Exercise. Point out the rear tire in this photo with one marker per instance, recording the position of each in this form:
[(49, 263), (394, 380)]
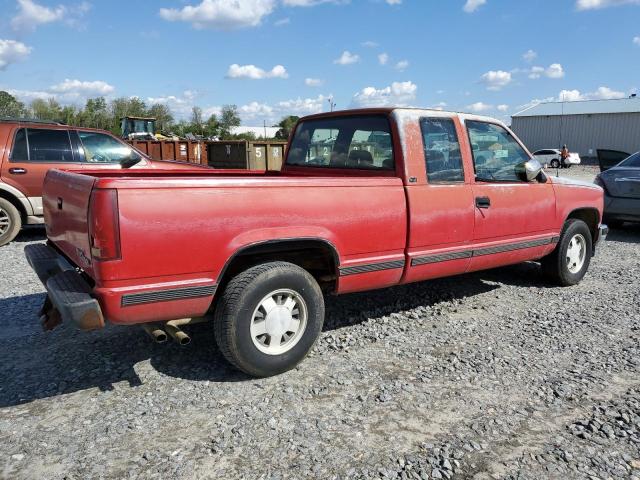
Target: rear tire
[(569, 262), (268, 318), (10, 221)]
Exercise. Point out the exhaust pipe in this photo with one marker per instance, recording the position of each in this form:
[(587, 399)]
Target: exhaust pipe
[(156, 333), (177, 334)]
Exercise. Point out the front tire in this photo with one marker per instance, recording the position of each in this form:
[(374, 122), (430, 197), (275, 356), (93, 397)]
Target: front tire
[(569, 262), (268, 318), (555, 163), (10, 221)]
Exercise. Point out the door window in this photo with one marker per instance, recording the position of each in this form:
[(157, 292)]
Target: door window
[(441, 150), (102, 148), (49, 145), (19, 151), (496, 154)]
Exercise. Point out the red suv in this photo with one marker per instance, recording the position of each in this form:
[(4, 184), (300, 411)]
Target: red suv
[(29, 148)]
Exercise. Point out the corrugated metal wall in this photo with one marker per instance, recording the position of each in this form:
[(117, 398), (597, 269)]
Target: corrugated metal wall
[(583, 134)]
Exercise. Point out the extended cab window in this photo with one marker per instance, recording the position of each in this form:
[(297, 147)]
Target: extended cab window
[(102, 148), (48, 146), (495, 152), (441, 150), (358, 142)]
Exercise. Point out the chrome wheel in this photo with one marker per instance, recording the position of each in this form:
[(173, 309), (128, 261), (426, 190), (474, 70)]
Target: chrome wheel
[(5, 222), (279, 322), (576, 253)]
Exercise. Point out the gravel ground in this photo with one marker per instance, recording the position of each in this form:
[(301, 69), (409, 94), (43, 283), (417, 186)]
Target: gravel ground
[(489, 375)]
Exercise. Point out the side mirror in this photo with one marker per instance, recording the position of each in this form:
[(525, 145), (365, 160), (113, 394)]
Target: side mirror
[(132, 159), (529, 171)]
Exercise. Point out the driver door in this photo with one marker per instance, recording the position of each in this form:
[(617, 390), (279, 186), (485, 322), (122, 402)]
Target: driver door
[(104, 151), (513, 218)]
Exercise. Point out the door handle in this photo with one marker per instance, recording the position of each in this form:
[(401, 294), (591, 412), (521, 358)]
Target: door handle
[(483, 202), (18, 171)]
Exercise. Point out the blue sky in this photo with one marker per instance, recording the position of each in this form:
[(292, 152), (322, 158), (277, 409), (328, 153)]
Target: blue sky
[(278, 57)]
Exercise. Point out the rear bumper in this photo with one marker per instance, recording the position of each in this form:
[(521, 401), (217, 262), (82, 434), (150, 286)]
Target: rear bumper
[(626, 209), (69, 292)]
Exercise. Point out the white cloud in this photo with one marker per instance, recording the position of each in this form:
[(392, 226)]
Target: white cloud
[(602, 93), (221, 14), (402, 65), (636, 40), (479, 107), (383, 59), (397, 94), (30, 15), (529, 56), (282, 22), (472, 5), (310, 3), (181, 105), (313, 82), (255, 111), (12, 52), (554, 70), (394, 2), (495, 80), (502, 107), (369, 44), (597, 4), (439, 106), (97, 87), (347, 58), (255, 73)]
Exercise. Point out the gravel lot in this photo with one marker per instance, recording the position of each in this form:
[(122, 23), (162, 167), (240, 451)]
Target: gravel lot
[(489, 375)]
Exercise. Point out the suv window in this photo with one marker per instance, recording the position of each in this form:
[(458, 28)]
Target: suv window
[(358, 142), (45, 146), (632, 161), (19, 151), (495, 152), (441, 150), (102, 148)]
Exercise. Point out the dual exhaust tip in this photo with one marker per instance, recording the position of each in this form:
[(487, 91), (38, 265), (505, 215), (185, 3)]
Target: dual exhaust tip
[(161, 335)]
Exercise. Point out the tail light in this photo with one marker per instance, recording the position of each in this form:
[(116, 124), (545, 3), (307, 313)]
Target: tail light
[(104, 227)]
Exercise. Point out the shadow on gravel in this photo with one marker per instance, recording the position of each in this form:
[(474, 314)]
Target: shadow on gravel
[(40, 364), (628, 233)]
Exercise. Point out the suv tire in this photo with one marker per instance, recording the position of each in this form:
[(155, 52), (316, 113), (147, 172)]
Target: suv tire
[(268, 318), (10, 221), (569, 262)]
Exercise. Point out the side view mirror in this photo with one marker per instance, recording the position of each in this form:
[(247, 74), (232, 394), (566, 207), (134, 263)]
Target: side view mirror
[(529, 170), (132, 159)]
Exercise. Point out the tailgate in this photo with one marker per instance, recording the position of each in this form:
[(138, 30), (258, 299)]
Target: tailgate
[(65, 201)]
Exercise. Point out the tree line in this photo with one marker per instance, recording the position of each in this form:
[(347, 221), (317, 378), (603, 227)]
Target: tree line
[(106, 115)]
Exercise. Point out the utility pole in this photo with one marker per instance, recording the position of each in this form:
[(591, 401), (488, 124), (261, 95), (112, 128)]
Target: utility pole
[(332, 104), (264, 124)]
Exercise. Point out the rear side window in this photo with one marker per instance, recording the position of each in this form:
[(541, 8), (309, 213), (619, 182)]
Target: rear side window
[(360, 142), (632, 161), (49, 146), (441, 150), (19, 151)]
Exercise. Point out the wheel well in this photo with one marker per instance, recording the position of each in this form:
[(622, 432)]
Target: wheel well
[(318, 257), (590, 216), (16, 203)]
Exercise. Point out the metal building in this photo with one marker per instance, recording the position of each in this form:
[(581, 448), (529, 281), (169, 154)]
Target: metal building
[(584, 126)]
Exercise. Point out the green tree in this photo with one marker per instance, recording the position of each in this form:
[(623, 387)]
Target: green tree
[(125, 107), (229, 118), (286, 127), (212, 126), (10, 106), (46, 110), (162, 114)]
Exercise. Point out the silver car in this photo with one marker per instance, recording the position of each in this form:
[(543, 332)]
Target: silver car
[(621, 186)]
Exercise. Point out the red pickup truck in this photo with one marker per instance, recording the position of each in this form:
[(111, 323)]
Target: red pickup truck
[(366, 199)]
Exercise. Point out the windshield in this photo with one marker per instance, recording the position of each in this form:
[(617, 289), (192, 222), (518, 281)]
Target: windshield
[(632, 161), (358, 142)]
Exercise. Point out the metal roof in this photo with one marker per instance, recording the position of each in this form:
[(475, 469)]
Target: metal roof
[(586, 107)]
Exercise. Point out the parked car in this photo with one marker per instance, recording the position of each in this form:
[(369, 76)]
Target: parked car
[(253, 253), (552, 157), (28, 149), (621, 186), (609, 158)]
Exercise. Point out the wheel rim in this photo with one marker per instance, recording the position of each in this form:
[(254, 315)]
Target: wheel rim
[(576, 253), (5, 222), (278, 322)]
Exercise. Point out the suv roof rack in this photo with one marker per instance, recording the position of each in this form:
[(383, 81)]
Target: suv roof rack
[(30, 120)]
